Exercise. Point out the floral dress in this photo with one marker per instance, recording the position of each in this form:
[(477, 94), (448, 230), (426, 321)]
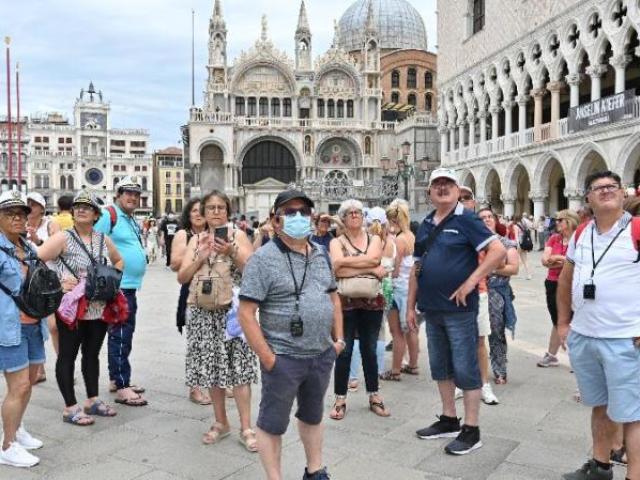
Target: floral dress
[(213, 360)]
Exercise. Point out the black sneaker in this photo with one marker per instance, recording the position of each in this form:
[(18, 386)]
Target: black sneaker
[(619, 457), (590, 471), (321, 474), (466, 442), (445, 427)]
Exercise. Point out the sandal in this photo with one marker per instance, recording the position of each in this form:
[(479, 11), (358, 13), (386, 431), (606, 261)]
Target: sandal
[(42, 377), (500, 380), (135, 388), (248, 439), (338, 412), (78, 418), (100, 409), (216, 433), (199, 397), (409, 370), (353, 386), (378, 408), (136, 401), (390, 375)]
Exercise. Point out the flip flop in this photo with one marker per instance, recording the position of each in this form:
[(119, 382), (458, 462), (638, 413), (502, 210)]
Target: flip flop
[(76, 418), (132, 402), (100, 409), (135, 388)]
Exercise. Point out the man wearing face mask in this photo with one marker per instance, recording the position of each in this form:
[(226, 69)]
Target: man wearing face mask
[(299, 335)]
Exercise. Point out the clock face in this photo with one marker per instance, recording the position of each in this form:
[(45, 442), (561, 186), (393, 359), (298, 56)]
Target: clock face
[(93, 121), (94, 176)]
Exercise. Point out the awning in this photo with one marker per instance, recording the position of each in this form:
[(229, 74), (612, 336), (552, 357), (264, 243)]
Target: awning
[(398, 107)]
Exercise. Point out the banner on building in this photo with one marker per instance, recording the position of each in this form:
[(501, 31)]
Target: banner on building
[(600, 112)]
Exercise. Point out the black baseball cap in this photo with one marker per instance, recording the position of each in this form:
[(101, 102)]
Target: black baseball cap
[(287, 195)]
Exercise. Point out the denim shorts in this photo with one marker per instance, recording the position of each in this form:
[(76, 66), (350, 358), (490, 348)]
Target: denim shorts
[(452, 339), (292, 378), (607, 370), (30, 351)]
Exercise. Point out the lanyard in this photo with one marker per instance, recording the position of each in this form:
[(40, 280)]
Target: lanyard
[(298, 291), (593, 254)]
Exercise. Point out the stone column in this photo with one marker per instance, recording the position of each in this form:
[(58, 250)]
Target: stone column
[(538, 95), (522, 116), (574, 80), (507, 106), (452, 136), (482, 115), (509, 206), (472, 128), (596, 72), (461, 122), (246, 107), (576, 199), (495, 111), (539, 202), (620, 64), (444, 141), (555, 88)]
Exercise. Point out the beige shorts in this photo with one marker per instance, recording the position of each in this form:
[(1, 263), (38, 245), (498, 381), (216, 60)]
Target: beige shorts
[(484, 327)]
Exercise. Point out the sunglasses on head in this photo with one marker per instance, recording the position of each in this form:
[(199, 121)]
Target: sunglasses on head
[(304, 211)]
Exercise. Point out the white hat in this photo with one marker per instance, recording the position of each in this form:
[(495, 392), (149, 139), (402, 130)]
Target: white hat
[(376, 214), (129, 184), (467, 189), (443, 173), (36, 197), (13, 198)]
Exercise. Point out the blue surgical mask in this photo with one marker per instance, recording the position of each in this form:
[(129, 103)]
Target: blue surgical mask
[(297, 226)]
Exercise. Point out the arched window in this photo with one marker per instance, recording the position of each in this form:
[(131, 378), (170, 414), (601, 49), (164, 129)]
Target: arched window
[(428, 80), (268, 159), (70, 182), (331, 107), (240, 106), (428, 102), (63, 182), (478, 15), (286, 107), (145, 183), (395, 97), (412, 78), (367, 145), (251, 107), (320, 108), (349, 108), (395, 79), (275, 107), (411, 99), (340, 109), (264, 107)]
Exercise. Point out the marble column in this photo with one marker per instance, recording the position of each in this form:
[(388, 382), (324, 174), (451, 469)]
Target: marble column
[(495, 111), (538, 94), (472, 129), (620, 63), (555, 88), (596, 72), (461, 122), (509, 206), (574, 80), (507, 106), (444, 141), (452, 136), (522, 117), (539, 204), (482, 115)]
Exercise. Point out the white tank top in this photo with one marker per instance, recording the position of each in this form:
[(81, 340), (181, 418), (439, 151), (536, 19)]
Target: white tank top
[(389, 263)]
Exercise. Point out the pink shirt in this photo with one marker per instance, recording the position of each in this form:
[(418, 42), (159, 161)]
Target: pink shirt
[(557, 248)]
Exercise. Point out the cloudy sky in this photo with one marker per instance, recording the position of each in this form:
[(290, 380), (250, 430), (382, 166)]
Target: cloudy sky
[(138, 52)]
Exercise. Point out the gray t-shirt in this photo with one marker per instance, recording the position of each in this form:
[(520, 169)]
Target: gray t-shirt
[(266, 280)]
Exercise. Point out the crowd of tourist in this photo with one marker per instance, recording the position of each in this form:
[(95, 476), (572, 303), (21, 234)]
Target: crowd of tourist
[(306, 295)]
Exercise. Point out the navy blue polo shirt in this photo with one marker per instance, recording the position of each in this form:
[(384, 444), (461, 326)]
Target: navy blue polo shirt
[(453, 257)]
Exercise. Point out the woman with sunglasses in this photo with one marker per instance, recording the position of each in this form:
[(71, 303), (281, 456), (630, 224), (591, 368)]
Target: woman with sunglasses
[(501, 311), (192, 223), (21, 341), (553, 258), (322, 235), (71, 250), (214, 360), (356, 253)]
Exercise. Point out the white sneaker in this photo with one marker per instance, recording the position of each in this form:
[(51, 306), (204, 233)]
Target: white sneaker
[(548, 361), (459, 394), (25, 439), (17, 456), (488, 396)]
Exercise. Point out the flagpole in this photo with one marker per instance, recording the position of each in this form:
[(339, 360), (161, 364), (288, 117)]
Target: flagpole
[(7, 41), (19, 126), (193, 74)]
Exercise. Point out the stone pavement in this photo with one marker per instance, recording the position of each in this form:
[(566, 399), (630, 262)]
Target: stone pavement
[(537, 432)]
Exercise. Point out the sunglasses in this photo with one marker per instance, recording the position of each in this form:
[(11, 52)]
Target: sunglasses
[(290, 212)]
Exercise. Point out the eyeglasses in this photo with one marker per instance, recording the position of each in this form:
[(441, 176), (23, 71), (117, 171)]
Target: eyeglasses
[(609, 188), (15, 214), (325, 220), (290, 212), (215, 208), (353, 213), (82, 206)]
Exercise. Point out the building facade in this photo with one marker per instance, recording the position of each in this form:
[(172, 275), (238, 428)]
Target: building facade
[(62, 156), (535, 96), (168, 181), (269, 121)]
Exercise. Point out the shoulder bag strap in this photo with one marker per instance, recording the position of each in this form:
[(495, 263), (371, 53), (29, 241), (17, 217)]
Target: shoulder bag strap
[(79, 241), (434, 234)]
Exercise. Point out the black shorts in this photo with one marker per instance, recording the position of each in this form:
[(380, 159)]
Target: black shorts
[(551, 289), (303, 379)]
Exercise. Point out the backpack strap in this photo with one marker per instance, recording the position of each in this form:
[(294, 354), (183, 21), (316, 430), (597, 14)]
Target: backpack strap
[(113, 216), (580, 230), (76, 238), (635, 233)]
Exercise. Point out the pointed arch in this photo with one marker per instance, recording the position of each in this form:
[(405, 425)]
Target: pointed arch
[(512, 176), (590, 157), (628, 161)]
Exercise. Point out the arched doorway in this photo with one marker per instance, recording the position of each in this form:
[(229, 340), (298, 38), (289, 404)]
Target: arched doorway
[(211, 168), (268, 159), (592, 162), (494, 192), (557, 184), (468, 180), (523, 187)]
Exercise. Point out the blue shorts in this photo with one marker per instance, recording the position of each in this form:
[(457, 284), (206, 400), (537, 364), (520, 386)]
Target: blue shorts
[(30, 351), (452, 339), (608, 373)]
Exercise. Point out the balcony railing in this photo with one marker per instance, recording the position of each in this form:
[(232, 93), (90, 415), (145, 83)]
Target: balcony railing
[(531, 136)]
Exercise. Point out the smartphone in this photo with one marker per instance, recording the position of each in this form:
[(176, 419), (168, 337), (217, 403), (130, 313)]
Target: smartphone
[(221, 232)]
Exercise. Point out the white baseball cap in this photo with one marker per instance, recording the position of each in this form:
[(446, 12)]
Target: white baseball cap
[(36, 197), (376, 214), (443, 173)]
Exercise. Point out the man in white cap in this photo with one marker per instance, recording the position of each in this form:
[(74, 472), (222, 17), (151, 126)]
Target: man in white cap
[(444, 285), (118, 222)]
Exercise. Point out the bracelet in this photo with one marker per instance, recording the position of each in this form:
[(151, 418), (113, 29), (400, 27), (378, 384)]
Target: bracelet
[(342, 342)]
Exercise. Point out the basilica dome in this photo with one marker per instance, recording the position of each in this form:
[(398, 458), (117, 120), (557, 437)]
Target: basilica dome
[(399, 25)]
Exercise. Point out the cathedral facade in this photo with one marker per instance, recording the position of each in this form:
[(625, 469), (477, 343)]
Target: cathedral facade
[(269, 121)]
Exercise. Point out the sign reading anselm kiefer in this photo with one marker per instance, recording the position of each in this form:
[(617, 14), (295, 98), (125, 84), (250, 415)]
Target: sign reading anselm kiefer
[(599, 112)]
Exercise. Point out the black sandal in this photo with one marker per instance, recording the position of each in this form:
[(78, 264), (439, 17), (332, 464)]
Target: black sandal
[(392, 376)]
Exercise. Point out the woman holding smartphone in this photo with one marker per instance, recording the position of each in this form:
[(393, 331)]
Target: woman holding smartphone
[(215, 359)]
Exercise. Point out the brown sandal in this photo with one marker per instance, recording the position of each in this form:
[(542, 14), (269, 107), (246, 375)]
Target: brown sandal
[(392, 376), (378, 408), (216, 433), (338, 412), (409, 370)]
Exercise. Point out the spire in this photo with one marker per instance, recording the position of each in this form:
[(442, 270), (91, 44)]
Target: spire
[(303, 22), (217, 9), (371, 29), (217, 23), (265, 29), (336, 34)]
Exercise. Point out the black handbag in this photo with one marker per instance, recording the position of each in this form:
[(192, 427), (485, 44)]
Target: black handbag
[(103, 281)]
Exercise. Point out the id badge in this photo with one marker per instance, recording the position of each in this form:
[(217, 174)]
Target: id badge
[(296, 327), (589, 291)]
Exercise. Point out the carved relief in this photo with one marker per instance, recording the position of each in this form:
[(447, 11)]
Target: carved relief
[(263, 79), (336, 82)]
